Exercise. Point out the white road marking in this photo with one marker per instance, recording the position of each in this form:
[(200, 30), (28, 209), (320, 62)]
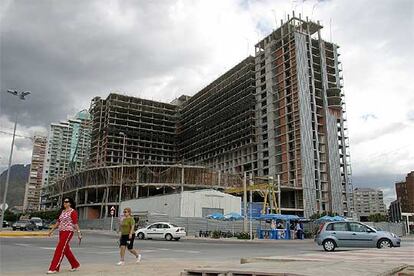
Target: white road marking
[(186, 251), (23, 244)]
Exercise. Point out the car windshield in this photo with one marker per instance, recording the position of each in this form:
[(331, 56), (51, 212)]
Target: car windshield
[(173, 225)]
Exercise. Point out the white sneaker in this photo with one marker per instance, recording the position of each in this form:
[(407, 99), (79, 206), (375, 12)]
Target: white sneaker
[(138, 258), (51, 272), (74, 269), (120, 263)]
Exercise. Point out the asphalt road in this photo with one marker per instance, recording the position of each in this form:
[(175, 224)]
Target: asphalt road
[(28, 254), (23, 254)]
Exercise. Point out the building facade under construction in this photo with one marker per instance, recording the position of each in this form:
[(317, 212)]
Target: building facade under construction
[(301, 119), (216, 127), (144, 130), (277, 116)]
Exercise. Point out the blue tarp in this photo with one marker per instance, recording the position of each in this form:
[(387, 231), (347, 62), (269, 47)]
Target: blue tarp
[(329, 218), (215, 216), (278, 216), (233, 216)]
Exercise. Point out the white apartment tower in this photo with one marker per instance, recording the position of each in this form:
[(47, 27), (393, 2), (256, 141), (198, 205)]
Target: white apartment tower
[(34, 183), (67, 151)]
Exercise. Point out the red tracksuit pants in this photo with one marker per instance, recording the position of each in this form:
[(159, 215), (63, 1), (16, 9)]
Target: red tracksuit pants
[(63, 249)]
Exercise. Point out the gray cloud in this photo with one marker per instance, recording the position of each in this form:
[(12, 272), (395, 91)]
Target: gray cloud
[(67, 52), (387, 129)]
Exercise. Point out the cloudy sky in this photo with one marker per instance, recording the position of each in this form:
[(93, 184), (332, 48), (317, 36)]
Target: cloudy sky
[(66, 52)]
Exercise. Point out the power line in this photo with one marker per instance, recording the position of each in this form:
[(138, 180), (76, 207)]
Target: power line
[(9, 133)]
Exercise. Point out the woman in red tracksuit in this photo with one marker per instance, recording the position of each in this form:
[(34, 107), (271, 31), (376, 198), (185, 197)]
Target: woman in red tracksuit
[(67, 223)]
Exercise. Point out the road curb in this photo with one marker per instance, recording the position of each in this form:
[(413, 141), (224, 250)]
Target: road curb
[(395, 270), (274, 260), (23, 234)]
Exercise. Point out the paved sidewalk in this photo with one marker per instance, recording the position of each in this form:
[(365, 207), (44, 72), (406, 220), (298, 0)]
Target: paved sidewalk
[(172, 267), (5, 234)]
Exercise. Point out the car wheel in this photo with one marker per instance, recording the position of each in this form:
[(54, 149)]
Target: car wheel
[(168, 237), (177, 239), (329, 245), (141, 236), (384, 243), (14, 229)]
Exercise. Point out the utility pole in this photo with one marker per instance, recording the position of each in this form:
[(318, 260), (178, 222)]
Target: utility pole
[(21, 96), (278, 194), (122, 173), (245, 202), (251, 205)]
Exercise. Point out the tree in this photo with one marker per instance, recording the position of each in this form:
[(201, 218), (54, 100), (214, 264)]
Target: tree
[(377, 217), (46, 215), (10, 216)]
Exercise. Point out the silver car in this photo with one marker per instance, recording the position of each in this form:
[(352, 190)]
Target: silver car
[(353, 234)]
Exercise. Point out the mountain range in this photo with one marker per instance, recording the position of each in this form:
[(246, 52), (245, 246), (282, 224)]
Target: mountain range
[(18, 178)]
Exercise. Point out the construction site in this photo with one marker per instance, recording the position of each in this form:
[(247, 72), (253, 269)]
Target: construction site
[(96, 190), (274, 125)]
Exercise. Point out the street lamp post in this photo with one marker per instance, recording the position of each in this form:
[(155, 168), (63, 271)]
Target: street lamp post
[(21, 96), (122, 173)]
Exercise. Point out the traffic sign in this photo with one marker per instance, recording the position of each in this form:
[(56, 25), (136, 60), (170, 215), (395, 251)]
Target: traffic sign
[(4, 205)]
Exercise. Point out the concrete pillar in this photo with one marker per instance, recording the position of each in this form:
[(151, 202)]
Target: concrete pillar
[(86, 196), (106, 201), (182, 178)]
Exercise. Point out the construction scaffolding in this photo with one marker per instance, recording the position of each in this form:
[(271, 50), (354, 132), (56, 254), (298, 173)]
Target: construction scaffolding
[(96, 190)]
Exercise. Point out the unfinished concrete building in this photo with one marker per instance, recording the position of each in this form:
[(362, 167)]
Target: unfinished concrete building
[(96, 190), (301, 118), (216, 127), (148, 128), (280, 114)]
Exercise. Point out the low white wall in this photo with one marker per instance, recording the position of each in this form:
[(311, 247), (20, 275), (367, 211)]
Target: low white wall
[(165, 204), (193, 202), (186, 204)]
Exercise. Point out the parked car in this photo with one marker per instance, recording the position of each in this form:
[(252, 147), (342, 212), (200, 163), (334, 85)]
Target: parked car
[(5, 224), (48, 224), (161, 230), (38, 221), (24, 225), (353, 234)]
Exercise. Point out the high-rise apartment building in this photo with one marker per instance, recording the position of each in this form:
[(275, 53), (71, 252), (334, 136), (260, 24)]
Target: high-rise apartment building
[(405, 193), (148, 127), (301, 118), (34, 183), (368, 202), (67, 151)]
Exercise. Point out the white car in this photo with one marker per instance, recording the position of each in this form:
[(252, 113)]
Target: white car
[(161, 230)]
